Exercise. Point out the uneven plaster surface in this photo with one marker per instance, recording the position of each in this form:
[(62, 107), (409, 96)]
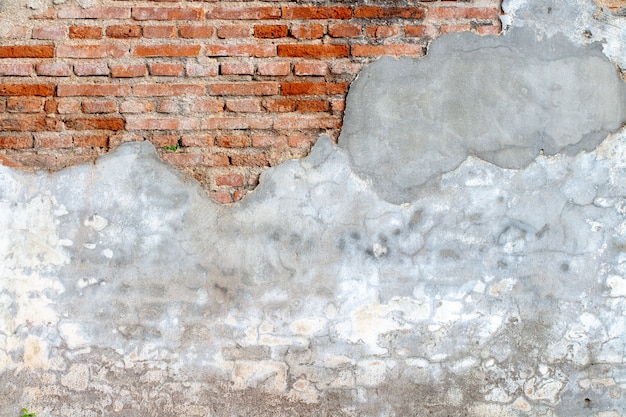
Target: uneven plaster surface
[(492, 292)]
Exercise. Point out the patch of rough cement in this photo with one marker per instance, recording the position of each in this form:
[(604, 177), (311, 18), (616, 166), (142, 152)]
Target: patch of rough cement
[(515, 97)]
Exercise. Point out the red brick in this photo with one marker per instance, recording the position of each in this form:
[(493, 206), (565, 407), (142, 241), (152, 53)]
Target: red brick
[(26, 89), (447, 13), (94, 13), (244, 13), (237, 122), (27, 51), (91, 51), (84, 123), (166, 50), (233, 32), (167, 13), (16, 70), (163, 139), (196, 140), (51, 106), (91, 141), (249, 50), (229, 180), (159, 32), (343, 67), (313, 51), (280, 105), (420, 31), (244, 89), (3, 105), (393, 50), (307, 122), (165, 90), (69, 90), (29, 123), (86, 69), (136, 106), (232, 141), (53, 69), (375, 12), (24, 104), (312, 106), (269, 141), (215, 160), (68, 106), (312, 12), (313, 88), (310, 68), (85, 32), (271, 31), (182, 159), (455, 28), (18, 141), (301, 141), (251, 160), (161, 123), (236, 68), (274, 68), (129, 71), (308, 32), (196, 31), (54, 140), (220, 197), (338, 105), (239, 194), (100, 106), (244, 105), (49, 32), (207, 106), (123, 31), (382, 31), (344, 30), (199, 70), (167, 70)]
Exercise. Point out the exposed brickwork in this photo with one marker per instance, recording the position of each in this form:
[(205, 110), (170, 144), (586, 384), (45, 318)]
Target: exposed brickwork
[(233, 87)]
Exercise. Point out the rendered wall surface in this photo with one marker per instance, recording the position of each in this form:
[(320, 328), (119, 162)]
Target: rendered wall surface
[(489, 291)]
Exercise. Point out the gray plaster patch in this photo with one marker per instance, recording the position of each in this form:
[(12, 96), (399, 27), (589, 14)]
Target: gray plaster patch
[(503, 99)]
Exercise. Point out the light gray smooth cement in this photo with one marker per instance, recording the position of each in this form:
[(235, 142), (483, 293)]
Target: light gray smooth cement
[(502, 99)]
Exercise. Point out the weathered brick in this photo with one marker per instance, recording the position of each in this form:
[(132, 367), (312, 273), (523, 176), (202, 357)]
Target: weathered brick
[(91, 141), (449, 13), (249, 50), (307, 31), (220, 197), (232, 141), (54, 140), (94, 13), (85, 32), (123, 31), (207, 106), (166, 50), (449, 28), (84, 123), (53, 69), (345, 67), (165, 90), (27, 51), (136, 106), (196, 140), (237, 68), (69, 90), (26, 89), (237, 122), (99, 106), (271, 31), (393, 50), (167, 69), (274, 68), (489, 29), (279, 105), (269, 141), (229, 180), (382, 31), (29, 123), (313, 88), (86, 69), (244, 105), (244, 13), (244, 89), (342, 30), (313, 51), (167, 13), (310, 68), (183, 159), (24, 104), (200, 70), (161, 123), (231, 31), (376, 12), (420, 31), (129, 71), (172, 106), (91, 51), (196, 31), (68, 106), (159, 31), (163, 139), (17, 141), (306, 122), (319, 12), (49, 32), (16, 70), (251, 160)]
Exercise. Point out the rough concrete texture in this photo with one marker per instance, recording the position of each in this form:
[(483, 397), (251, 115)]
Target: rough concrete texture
[(493, 292)]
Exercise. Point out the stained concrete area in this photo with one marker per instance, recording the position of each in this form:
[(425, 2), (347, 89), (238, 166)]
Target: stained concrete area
[(492, 291)]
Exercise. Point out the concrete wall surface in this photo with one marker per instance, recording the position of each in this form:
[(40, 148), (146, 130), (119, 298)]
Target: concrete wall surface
[(492, 284)]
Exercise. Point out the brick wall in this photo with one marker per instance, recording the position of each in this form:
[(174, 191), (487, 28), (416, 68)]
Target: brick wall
[(223, 89)]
